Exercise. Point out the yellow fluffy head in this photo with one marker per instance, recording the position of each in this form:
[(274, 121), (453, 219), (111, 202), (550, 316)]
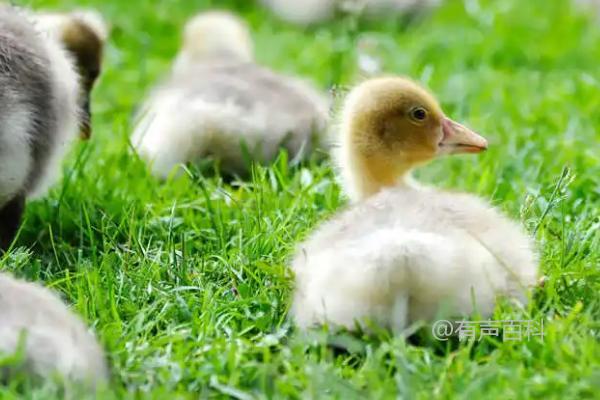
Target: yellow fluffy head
[(217, 34), (389, 126), (386, 116)]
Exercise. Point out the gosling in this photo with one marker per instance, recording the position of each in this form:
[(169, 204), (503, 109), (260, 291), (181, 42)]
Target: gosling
[(47, 73), (49, 340), (403, 253), (219, 104)]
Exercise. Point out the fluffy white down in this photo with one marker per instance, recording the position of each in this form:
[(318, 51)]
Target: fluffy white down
[(65, 82), (15, 162), (55, 340), (410, 254)]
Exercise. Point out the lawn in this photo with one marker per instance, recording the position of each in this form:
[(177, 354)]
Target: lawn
[(186, 282)]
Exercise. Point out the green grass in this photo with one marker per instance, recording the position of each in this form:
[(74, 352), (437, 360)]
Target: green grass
[(186, 282)]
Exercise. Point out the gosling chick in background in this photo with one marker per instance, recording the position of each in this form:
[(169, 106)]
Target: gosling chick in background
[(51, 339), (589, 6), (309, 12), (403, 253), (47, 73), (218, 103)]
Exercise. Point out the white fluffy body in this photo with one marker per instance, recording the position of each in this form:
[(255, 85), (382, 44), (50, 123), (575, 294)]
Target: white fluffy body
[(216, 102), (175, 131), (411, 254), (54, 340), (314, 11), (302, 12)]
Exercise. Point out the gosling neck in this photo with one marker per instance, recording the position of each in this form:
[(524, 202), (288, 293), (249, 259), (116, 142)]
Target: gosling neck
[(368, 175)]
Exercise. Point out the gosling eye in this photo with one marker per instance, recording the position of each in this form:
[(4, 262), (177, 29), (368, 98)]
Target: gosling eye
[(418, 114)]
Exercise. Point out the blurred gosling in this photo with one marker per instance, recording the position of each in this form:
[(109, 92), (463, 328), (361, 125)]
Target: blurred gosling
[(310, 12), (219, 103), (52, 341), (589, 6)]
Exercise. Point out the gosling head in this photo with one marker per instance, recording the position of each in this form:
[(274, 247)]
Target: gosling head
[(390, 126), (215, 35), (83, 34)]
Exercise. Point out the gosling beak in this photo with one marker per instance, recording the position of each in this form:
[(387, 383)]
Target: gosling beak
[(460, 139), (85, 130)]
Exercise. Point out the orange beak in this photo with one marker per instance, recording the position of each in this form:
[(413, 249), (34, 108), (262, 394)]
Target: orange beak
[(460, 139)]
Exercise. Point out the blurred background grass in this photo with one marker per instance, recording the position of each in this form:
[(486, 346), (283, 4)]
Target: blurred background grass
[(185, 282)]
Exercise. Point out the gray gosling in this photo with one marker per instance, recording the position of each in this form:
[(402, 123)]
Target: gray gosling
[(51, 341), (47, 71), (219, 103)]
